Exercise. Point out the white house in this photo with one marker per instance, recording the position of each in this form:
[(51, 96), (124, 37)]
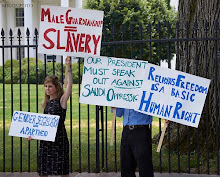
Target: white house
[(25, 14)]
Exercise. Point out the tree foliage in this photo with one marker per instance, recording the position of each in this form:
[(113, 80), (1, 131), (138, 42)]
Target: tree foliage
[(134, 20), (199, 19)]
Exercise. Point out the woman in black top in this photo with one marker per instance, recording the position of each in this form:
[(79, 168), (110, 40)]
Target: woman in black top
[(53, 157)]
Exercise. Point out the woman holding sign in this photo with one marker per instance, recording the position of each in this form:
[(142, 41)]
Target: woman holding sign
[(53, 157)]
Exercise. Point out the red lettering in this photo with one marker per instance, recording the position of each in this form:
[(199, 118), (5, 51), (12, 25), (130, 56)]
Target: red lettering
[(81, 49), (61, 19), (57, 20), (44, 14), (96, 41), (80, 19), (88, 39), (48, 39), (69, 43), (75, 21), (53, 19), (68, 20), (58, 41), (76, 41)]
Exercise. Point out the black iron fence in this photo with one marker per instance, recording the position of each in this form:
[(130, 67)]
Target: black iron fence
[(89, 126)]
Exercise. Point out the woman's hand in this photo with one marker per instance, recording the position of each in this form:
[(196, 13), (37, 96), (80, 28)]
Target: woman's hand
[(68, 60), (29, 138), (68, 84)]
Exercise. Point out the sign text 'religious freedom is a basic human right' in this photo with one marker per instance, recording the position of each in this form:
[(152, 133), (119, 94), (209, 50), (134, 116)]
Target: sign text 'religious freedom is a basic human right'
[(173, 95)]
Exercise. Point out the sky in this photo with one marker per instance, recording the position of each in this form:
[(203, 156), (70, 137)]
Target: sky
[(174, 3), (173, 61)]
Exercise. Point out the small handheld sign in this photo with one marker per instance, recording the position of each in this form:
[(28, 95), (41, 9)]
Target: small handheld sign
[(38, 126)]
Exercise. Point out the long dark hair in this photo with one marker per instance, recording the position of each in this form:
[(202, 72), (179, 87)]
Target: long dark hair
[(55, 81)]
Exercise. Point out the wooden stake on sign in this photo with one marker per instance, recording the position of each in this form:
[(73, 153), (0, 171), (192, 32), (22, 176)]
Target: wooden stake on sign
[(162, 136), (113, 126), (66, 72)]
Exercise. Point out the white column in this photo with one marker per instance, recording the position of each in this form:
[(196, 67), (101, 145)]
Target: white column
[(64, 3), (78, 4), (28, 23), (2, 25), (1, 16)]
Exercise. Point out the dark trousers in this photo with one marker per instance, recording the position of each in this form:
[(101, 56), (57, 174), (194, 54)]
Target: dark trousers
[(136, 151)]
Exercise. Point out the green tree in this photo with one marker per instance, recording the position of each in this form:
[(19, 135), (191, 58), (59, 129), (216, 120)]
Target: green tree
[(202, 62), (126, 16)]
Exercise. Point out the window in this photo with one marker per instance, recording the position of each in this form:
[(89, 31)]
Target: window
[(21, 53), (50, 58), (19, 17)]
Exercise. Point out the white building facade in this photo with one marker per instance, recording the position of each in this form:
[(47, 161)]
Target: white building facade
[(23, 14)]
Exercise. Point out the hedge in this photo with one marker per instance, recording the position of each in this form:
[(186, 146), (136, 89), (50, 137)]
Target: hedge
[(57, 69)]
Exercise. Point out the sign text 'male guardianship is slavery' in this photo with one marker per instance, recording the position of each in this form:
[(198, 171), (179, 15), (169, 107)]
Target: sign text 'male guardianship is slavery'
[(70, 31)]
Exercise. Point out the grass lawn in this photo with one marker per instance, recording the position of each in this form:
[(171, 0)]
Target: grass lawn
[(18, 152)]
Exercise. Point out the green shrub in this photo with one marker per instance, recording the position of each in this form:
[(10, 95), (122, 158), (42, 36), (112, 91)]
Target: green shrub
[(75, 72), (1, 74), (50, 70)]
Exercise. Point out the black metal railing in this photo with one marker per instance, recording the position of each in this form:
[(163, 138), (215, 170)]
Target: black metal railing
[(124, 42)]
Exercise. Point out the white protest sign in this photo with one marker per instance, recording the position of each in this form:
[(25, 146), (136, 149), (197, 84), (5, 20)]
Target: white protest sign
[(112, 81), (70, 31), (38, 126), (173, 95)]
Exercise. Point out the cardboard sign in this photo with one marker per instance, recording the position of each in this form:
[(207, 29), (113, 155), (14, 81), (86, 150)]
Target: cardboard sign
[(38, 126), (173, 95), (70, 31), (147, 88), (112, 81)]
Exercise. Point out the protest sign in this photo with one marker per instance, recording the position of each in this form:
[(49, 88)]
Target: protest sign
[(173, 95), (70, 31), (38, 126), (112, 81), (147, 88)]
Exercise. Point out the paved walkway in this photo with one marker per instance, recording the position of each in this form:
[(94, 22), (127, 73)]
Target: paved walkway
[(25, 174)]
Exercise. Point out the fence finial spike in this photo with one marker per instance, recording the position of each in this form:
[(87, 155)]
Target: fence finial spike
[(36, 32), (195, 25), (10, 32), (206, 24), (140, 26), (2, 32), (216, 25), (177, 25), (27, 32), (19, 32), (168, 26)]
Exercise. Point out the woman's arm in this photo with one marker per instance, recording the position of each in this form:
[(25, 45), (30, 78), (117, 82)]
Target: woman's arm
[(68, 91)]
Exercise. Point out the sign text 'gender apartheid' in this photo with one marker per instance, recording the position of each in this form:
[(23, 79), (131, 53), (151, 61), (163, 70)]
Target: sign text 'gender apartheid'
[(38, 126)]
